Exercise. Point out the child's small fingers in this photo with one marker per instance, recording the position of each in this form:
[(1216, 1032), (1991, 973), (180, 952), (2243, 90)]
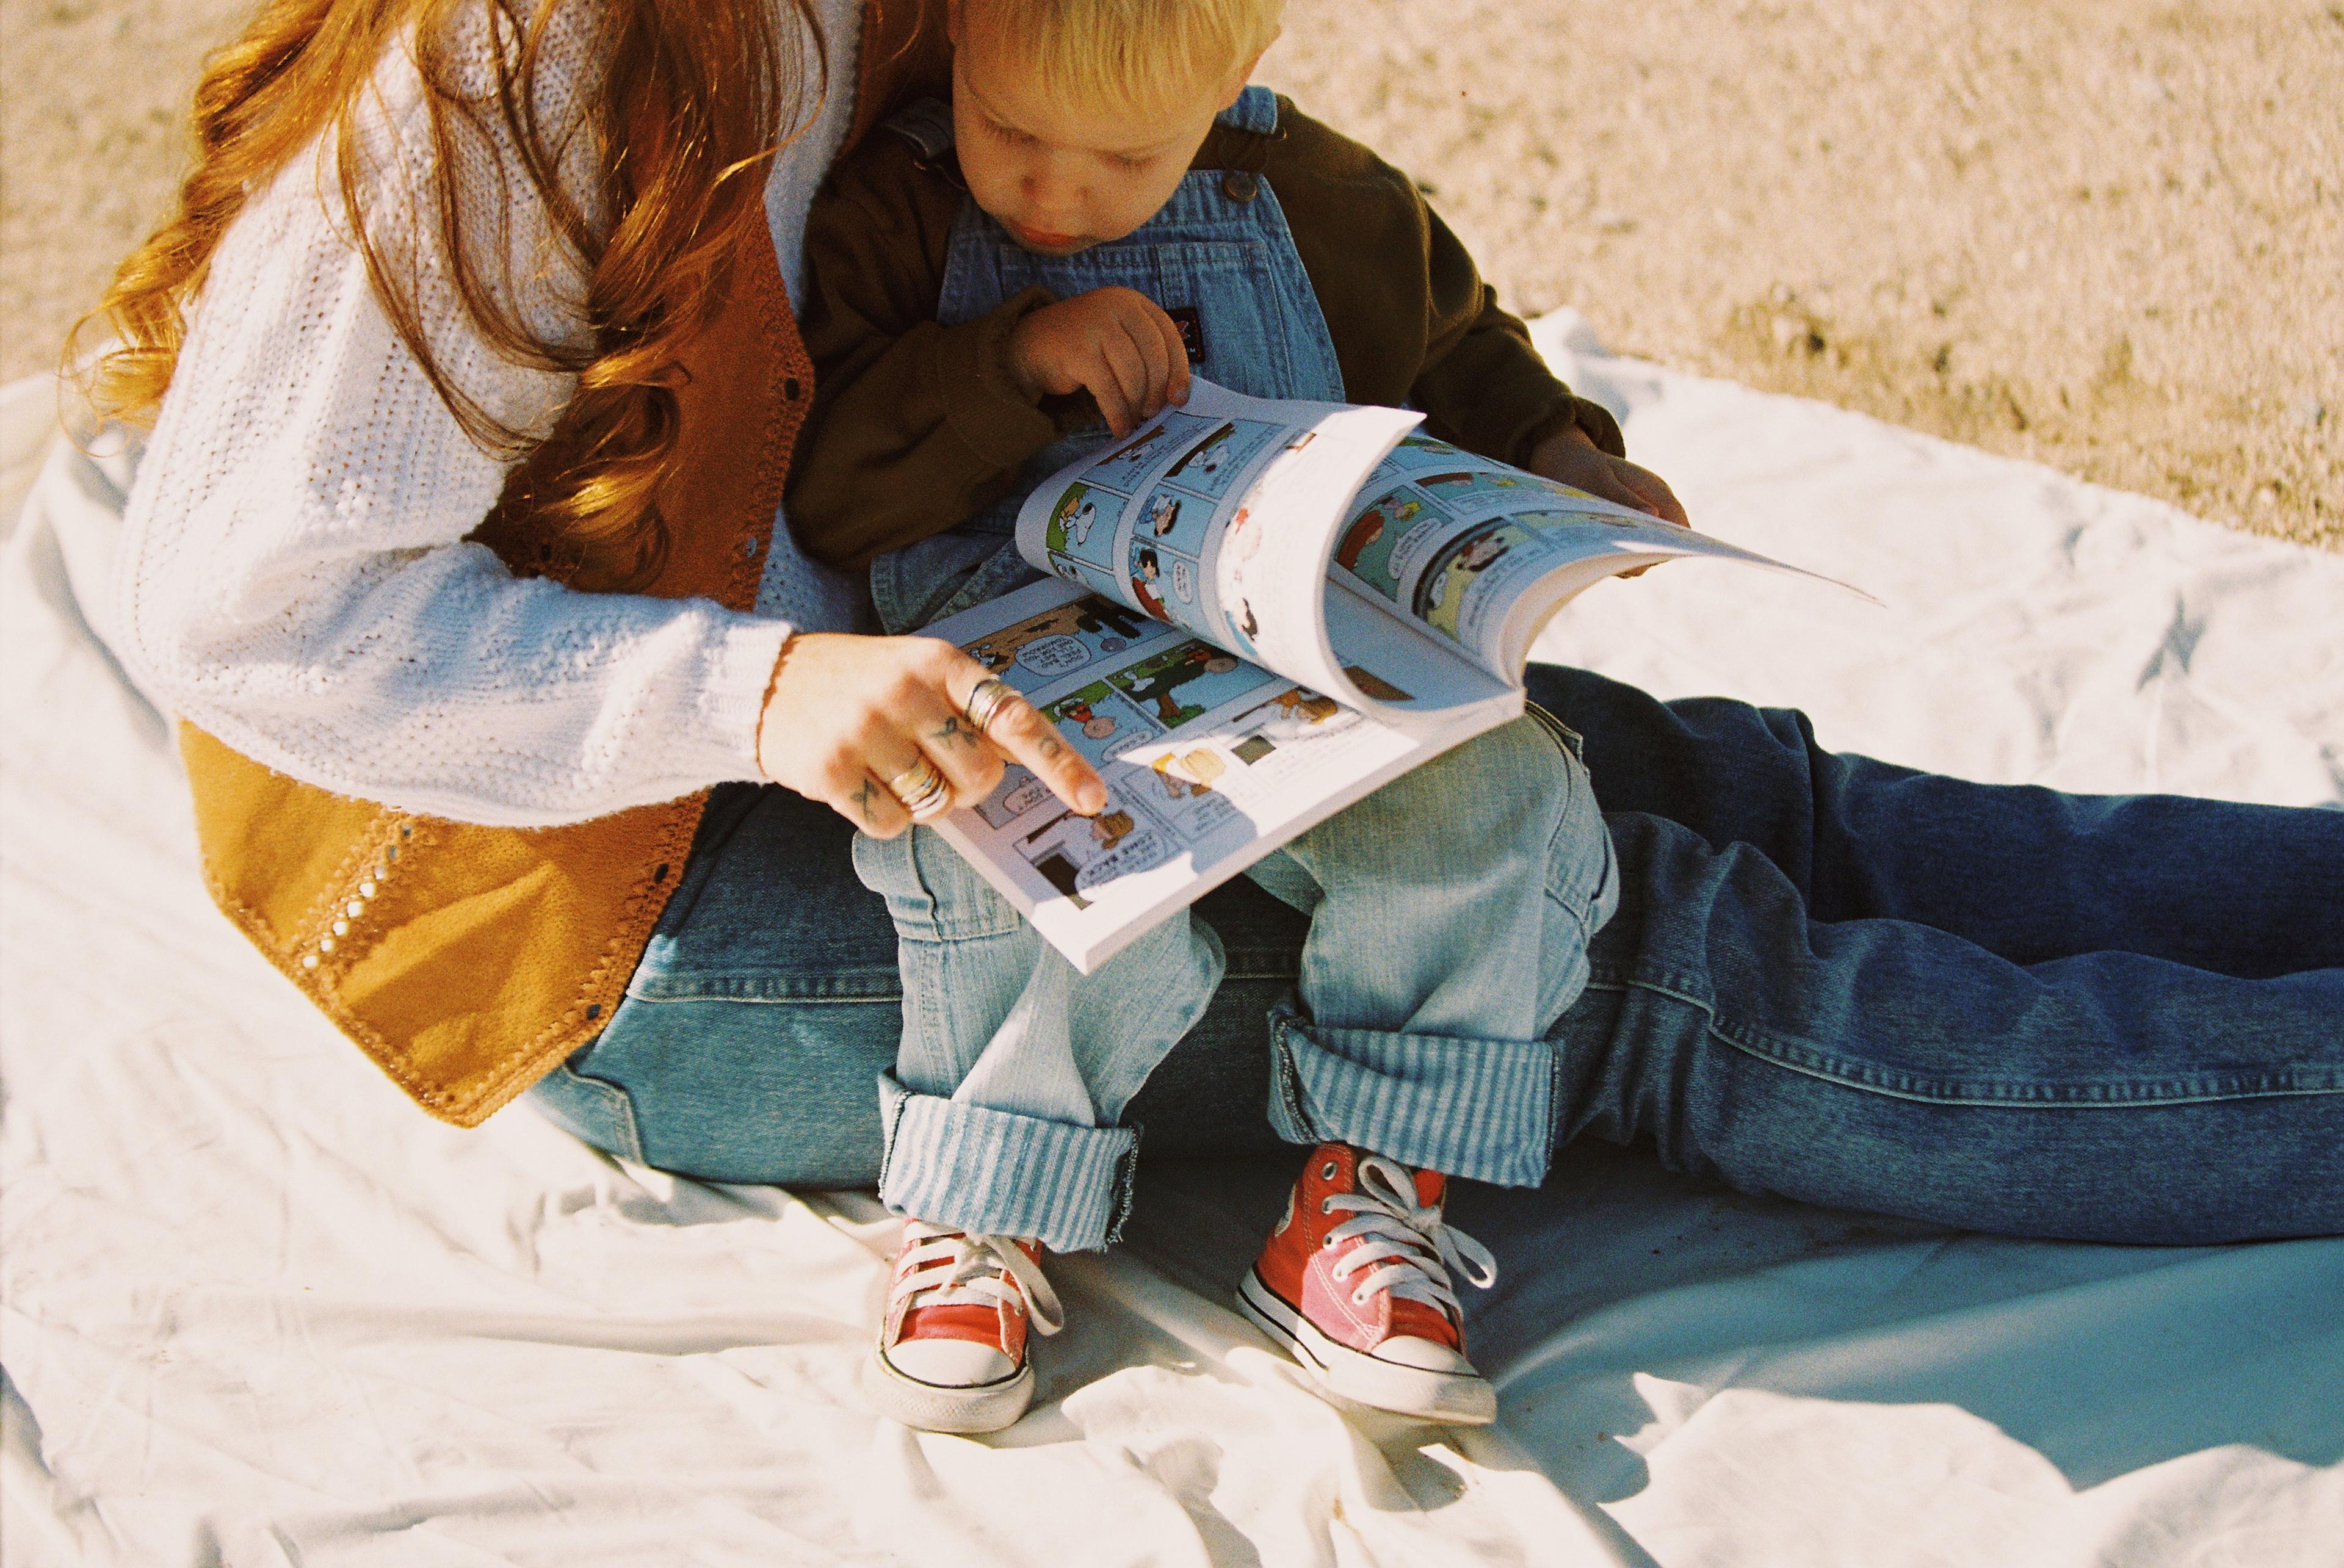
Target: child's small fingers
[(1106, 389), (1653, 494), (1612, 487), (1129, 367), (1155, 366), (1176, 350)]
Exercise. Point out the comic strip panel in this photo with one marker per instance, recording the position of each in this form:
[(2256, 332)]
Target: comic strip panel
[(1463, 487), (1181, 787), (1202, 781), (1418, 452), (1127, 464), (1082, 525), (1369, 548), (1448, 598), (1048, 647), (1075, 853), (1164, 584), (1175, 520), (1185, 682), (1017, 794), (1293, 715), (1099, 579), (1211, 465), (1101, 721)]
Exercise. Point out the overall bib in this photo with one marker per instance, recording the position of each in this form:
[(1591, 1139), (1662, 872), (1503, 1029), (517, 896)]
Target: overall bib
[(1452, 909)]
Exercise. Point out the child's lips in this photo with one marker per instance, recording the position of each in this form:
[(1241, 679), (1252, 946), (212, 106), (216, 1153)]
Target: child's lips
[(1042, 238)]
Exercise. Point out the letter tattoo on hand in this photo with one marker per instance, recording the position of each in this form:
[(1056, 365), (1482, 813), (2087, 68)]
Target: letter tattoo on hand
[(954, 734), (866, 795), (1051, 745)]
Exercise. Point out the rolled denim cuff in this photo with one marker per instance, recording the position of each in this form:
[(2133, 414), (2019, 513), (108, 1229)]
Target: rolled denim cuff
[(1482, 1110), (997, 1173)]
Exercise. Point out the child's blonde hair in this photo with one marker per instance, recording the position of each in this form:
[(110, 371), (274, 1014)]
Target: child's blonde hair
[(1131, 54)]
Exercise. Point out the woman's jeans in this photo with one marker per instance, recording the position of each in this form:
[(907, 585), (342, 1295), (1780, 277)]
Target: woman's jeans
[(2107, 1017), (1450, 915)]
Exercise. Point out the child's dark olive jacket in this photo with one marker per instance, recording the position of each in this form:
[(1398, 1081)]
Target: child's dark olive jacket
[(915, 427)]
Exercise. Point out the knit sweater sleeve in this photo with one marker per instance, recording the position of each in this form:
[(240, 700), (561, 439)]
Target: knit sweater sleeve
[(295, 576)]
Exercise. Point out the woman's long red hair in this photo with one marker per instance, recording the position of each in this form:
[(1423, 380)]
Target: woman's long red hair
[(690, 107)]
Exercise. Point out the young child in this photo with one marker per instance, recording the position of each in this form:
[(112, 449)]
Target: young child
[(1101, 170)]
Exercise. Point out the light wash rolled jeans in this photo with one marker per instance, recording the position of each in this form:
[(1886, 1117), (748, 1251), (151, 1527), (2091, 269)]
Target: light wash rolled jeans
[(2109, 1018), (1449, 916)]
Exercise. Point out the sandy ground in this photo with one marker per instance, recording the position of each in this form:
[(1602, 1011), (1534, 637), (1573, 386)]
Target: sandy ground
[(2107, 234)]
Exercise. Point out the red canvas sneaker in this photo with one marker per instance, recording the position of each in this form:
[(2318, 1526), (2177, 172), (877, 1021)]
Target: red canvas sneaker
[(951, 1355), (1355, 1283)]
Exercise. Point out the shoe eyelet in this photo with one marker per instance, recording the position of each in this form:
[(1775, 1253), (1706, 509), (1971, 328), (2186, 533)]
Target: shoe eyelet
[(1326, 1243), (1327, 1171), (1358, 1298), (1326, 1206)]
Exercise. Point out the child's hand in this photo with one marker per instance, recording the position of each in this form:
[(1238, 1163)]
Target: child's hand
[(1572, 457), (1115, 343)]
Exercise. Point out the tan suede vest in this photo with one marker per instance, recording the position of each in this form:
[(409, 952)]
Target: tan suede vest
[(467, 961)]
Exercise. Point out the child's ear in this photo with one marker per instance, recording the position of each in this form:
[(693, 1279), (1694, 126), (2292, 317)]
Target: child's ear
[(1238, 82)]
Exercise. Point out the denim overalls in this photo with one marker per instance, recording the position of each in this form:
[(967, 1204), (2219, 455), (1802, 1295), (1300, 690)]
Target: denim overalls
[(1219, 256), (1452, 909)]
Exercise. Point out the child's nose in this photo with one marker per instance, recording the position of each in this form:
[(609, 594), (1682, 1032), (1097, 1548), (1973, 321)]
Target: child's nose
[(1054, 193)]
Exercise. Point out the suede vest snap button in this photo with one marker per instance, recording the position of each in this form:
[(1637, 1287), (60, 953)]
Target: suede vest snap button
[(1239, 186)]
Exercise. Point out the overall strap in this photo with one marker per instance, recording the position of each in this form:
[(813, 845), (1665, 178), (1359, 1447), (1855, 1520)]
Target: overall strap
[(1256, 111), (927, 125), (1243, 134)]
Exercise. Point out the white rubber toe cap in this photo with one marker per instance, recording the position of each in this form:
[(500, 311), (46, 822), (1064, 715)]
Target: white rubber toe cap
[(950, 1363), (1426, 1355)]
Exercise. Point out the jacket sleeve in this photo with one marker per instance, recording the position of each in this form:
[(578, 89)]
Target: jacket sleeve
[(1412, 317), (914, 426), (1482, 385), (295, 574)]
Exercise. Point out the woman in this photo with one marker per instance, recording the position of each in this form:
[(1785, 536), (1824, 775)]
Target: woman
[(455, 546)]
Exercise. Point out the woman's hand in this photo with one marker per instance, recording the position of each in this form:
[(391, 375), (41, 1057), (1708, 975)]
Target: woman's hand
[(1572, 457), (1117, 344), (847, 713)]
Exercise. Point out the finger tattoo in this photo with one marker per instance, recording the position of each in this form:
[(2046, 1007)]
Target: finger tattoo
[(866, 797), (954, 734)]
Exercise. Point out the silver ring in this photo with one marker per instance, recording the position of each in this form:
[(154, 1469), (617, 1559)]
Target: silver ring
[(985, 702), (921, 790)]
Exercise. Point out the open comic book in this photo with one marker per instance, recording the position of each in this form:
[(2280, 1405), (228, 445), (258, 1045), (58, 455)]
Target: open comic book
[(1259, 612)]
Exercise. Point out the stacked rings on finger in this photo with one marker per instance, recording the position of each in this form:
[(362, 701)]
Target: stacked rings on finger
[(921, 790), (985, 702)]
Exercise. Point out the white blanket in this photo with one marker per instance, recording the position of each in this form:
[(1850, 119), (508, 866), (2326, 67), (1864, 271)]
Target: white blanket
[(258, 1311)]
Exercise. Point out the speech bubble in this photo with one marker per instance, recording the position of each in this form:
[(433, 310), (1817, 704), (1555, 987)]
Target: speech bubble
[(1142, 851), (1054, 656), (1024, 795)]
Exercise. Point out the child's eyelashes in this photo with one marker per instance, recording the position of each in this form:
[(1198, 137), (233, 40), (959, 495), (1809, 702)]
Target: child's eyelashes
[(1008, 136)]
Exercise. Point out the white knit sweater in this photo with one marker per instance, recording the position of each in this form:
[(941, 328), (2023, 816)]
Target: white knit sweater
[(295, 578)]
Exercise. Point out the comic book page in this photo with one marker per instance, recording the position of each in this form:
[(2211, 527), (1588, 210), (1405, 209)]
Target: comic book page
[(1211, 762), (1218, 517), (1480, 554)]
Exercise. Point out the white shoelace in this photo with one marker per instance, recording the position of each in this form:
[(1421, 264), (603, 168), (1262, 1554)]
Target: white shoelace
[(949, 1267), (1409, 1252)]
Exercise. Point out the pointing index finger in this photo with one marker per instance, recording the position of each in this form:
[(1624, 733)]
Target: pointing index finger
[(1028, 737), (1023, 736)]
